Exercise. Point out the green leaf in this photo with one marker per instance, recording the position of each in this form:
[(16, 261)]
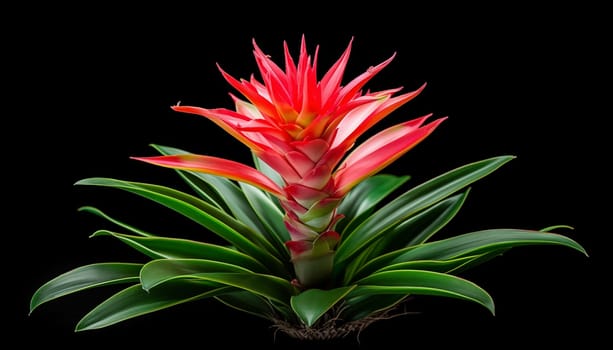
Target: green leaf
[(250, 303), (352, 266), (556, 227), (270, 216), (360, 307), (473, 243), (311, 304), (485, 241), (422, 283), (175, 248), (361, 200), (445, 266), (161, 271), (412, 231), (85, 277), (413, 201), (203, 213), (268, 286), (98, 212), (134, 301), (475, 260), (202, 184), (419, 228)]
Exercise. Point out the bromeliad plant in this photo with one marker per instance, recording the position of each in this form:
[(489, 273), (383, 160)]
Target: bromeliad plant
[(318, 242)]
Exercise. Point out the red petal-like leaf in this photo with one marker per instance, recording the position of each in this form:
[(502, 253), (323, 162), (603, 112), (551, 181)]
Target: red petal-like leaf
[(314, 149), (251, 92), (378, 152), (300, 162), (280, 165), (305, 196), (226, 119), (348, 91), (217, 166), (331, 82), (353, 125), (298, 247)]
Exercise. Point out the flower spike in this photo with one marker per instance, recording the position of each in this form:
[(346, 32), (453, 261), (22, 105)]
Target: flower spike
[(302, 128)]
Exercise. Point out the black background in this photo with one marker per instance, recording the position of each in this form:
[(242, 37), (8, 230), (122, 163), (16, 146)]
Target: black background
[(90, 87)]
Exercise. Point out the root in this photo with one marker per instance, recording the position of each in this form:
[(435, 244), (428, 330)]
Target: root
[(330, 326)]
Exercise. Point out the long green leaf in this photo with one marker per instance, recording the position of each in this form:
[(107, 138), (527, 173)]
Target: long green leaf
[(414, 200), (422, 283), (203, 213), (362, 199), (444, 266), (85, 277), (187, 205), (311, 304), (268, 286), (134, 301), (250, 303), (270, 216), (360, 307), (414, 230), (202, 184), (352, 266), (245, 203), (98, 212), (475, 260), (473, 243), (157, 272), (484, 241), (175, 248), (419, 228)]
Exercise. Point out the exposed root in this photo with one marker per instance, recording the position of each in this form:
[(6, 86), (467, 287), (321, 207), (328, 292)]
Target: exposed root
[(330, 326)]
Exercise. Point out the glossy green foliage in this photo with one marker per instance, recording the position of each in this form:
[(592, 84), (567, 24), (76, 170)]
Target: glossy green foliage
[(387, 252)]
